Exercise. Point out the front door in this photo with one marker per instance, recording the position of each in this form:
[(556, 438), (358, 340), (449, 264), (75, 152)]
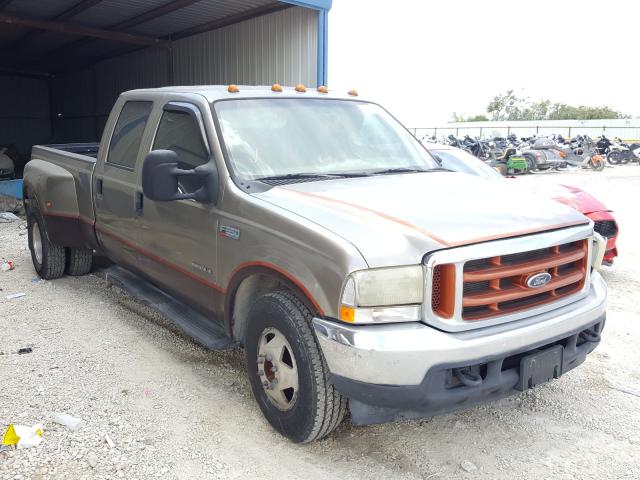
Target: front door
[(179, 237)]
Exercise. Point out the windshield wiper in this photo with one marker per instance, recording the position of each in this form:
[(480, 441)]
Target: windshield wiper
[(388, 171), (439, 169), (303, 175)]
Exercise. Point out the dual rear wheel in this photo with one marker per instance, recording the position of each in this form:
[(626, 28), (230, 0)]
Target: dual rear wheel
[(287, 371), (50, 260)]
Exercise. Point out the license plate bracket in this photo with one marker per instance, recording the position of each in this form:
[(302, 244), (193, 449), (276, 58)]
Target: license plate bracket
[(540, 367)]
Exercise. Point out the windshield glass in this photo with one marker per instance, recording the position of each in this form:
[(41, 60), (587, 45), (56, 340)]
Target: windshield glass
[(279, 137), (461, 161)]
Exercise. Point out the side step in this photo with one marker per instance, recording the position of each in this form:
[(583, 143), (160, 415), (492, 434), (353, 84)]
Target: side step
[(208, 333)]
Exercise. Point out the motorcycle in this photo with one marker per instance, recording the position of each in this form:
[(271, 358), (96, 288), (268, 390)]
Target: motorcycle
[(544, 154), (583, 152), (603, 145), (481, 149), (623, 153)]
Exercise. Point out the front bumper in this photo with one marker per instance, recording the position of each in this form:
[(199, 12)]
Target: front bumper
[(388, 368)]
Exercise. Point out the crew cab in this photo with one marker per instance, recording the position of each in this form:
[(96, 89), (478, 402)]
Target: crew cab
[(311, 228)]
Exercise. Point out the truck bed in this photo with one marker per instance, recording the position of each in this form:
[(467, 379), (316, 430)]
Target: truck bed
[(75, 162), (84, 149)]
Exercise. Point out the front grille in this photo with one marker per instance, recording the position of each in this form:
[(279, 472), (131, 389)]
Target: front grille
[(606, 228), (443, 291), (498, 285)]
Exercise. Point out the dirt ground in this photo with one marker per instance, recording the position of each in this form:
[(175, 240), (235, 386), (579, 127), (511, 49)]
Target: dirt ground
[(175, 410)]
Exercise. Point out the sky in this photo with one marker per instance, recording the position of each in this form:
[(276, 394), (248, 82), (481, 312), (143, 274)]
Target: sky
[(424, 60)]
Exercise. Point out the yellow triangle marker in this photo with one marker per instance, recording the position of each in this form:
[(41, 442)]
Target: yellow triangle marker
[(10, 437)]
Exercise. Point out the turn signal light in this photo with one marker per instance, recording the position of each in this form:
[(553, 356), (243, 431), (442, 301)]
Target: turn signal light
[(323, 89), (353, 92), (233, 89), (301, 88), (347, 314), (276, 87), (563, 154)]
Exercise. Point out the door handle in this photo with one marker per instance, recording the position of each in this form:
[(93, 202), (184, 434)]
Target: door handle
[(139, 203), (99, 186)]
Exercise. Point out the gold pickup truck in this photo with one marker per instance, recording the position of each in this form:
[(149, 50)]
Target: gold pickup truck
[(311, 228)]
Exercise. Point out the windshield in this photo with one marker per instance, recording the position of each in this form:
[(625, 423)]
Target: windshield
[(280, 137), (461, 161)]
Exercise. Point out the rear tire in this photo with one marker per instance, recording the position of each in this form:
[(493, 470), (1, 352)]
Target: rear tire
[(48, 259), (308, 407), (531, 161), (79, 261), (597, 165)]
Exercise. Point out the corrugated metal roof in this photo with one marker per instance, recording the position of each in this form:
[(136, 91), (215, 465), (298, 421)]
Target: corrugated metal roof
[(41, 50), (199, 13), (42, 9), (112, 12)]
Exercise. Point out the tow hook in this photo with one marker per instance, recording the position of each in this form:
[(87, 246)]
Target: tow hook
[(590, 335), (467, 377)]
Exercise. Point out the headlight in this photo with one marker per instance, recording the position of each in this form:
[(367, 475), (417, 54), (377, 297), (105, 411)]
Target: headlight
[(383, 295), (599, 249)]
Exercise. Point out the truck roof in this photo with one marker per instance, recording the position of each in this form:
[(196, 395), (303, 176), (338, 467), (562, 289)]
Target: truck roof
[(217, 92)]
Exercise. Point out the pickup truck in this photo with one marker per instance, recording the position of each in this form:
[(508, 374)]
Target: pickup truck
[(311, 228)]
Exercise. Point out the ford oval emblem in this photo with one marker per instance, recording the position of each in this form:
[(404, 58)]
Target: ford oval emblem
[(538, 280)]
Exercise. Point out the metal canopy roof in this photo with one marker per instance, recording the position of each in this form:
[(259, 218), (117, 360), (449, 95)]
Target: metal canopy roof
[(46, 37)]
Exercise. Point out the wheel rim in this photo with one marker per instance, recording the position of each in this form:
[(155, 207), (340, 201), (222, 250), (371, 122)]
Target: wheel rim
[(36, 240), (277, 369)]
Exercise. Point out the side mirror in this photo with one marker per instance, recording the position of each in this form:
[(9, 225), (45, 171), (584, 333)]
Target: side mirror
[(160, 175)]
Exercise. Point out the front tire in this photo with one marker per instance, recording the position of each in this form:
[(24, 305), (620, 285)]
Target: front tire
[(287, 372), (48, 259)]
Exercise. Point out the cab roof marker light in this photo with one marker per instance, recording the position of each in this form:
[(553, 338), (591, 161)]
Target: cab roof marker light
[(353, 92), (323, 89), (300, 88), (233, 89), (276, 87)]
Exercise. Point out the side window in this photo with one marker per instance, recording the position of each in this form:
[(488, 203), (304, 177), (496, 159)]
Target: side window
[(127, 136), (178, 131)]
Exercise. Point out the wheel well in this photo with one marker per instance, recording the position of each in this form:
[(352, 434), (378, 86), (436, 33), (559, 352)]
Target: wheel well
[(247, 288), (247, 292)]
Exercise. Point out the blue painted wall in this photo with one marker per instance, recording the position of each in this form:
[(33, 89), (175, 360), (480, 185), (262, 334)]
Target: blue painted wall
[(323, 7)]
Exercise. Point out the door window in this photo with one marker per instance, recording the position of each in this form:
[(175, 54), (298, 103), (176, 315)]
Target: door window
[(178, 131), (127, 135)]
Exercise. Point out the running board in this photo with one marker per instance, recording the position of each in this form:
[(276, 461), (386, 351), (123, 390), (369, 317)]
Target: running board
[(208, 333)]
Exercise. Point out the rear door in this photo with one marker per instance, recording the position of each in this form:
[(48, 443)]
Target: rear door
[(180, 236), (117, 197)]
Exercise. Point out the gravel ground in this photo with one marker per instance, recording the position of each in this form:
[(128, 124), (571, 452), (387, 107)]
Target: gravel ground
[(175, 410)]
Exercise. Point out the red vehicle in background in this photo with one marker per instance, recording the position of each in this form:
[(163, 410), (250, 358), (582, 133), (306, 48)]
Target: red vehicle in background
[(458, 160)]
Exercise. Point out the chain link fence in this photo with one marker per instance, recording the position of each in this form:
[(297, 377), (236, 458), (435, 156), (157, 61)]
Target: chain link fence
[(626, 133)]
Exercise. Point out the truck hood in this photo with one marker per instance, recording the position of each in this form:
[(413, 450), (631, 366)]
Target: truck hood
[(397, 219)]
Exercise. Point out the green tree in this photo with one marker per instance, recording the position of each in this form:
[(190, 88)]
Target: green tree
[(473, 118), (508, 106)]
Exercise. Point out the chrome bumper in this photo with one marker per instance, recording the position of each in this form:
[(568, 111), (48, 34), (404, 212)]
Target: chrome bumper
[(402, 354)]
